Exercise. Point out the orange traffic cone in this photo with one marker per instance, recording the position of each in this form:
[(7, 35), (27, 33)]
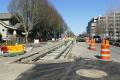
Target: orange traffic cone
[(105, 50), (87, 40), (89, 44), (93, 45)]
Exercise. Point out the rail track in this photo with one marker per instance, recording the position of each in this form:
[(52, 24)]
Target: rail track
[(52, 53)]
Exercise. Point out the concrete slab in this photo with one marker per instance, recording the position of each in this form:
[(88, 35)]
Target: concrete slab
[(11, 71), (81, 50)]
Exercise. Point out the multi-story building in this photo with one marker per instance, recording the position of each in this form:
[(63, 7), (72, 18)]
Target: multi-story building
[(109, 25), (91, 28), (101, 26)]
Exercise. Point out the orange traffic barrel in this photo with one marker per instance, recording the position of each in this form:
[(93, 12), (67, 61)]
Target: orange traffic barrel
[(86, 39), (89, 43), (105, 50), (93, 45)]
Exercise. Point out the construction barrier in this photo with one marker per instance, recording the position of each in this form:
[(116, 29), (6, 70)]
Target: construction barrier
[(86, 39), (16, 49), (12, 50), (105, 50), (92, 45), (89, 44)]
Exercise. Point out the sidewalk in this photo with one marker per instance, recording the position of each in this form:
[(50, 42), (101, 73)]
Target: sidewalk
[(80, 50)]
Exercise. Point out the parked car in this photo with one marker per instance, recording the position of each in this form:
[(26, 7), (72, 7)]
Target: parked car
[(80, 39), (117, 43), (97, 39), (111, 42)]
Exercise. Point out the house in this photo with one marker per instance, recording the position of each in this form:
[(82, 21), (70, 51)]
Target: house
[(8, 26)]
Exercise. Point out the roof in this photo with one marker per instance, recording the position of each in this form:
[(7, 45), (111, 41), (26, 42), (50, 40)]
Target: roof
[(5, 16), (16, 26), (7, 26)]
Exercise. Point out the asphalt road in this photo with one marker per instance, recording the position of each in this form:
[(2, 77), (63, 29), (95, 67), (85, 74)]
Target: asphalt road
[(68, 71), (91, 68), (114, 51)]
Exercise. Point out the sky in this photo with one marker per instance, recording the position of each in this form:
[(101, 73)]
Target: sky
[(4, 6), (76, 13)]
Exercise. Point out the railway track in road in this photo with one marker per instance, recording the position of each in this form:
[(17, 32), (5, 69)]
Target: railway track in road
[(52, 53)]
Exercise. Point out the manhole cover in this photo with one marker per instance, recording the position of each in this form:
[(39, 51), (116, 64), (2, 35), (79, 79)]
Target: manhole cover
[(91, 73)]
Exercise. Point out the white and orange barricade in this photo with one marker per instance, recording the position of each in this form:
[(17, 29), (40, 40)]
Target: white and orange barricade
[(89, 43), (105, 50), (86, 39), (92, 45)]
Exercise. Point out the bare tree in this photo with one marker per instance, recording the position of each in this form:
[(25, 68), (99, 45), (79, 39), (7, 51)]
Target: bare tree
[(27, 13), (38, 16)]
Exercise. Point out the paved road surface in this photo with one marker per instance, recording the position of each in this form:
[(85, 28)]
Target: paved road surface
[(68, 71), (84, 59)]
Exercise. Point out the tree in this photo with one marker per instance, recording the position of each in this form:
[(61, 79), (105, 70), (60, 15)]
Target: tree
[(37, 17), (0, 37), (26, 12)]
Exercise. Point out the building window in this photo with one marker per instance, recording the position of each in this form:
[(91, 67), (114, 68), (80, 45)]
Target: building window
[(3, 29)]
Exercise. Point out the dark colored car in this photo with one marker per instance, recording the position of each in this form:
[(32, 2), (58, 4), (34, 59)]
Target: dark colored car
[(111, 42), (117, 43), (97, 39), (80, 39)]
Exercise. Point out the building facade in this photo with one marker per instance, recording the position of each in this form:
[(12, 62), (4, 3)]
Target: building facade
[(6, 26), (91, 28), (109, 26)]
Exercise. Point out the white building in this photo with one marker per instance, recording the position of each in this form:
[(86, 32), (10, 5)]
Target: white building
[(6, 28)]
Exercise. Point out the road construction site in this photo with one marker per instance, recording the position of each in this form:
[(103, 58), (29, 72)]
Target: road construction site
[(60, 61), (55, 52)]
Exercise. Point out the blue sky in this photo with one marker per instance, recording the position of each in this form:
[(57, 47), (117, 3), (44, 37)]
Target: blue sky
[(77, 13), (4, 6)]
